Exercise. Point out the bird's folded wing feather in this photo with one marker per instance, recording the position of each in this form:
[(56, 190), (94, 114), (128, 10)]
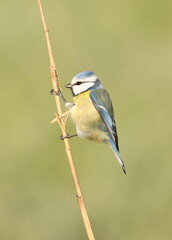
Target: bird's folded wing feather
[(102, 106), (102, 102)]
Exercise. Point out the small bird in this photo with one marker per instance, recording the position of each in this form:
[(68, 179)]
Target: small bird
[(92, 111)]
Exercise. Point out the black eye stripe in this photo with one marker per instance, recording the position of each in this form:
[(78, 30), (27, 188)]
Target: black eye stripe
[(79, 82)]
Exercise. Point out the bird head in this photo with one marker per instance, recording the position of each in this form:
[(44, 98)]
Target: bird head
[(84, 81)]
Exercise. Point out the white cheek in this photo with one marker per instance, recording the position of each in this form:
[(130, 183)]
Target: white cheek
[(77, 89)]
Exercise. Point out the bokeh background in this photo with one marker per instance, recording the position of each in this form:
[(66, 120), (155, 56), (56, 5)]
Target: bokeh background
[(128, 44)]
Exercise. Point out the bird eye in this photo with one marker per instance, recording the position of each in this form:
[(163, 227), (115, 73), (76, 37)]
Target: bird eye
[(78, 83)]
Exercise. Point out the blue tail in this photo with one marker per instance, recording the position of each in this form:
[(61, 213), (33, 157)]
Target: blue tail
[(117, 154)]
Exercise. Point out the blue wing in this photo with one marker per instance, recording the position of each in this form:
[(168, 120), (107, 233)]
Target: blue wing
[(102, 102)]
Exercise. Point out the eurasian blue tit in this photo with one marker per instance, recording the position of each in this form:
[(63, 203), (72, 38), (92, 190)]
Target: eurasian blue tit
[(92, 111)]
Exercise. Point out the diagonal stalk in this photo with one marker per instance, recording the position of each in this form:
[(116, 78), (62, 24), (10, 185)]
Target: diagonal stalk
[(61, 122)]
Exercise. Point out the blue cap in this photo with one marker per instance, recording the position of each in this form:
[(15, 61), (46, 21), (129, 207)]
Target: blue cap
[(84, 74)]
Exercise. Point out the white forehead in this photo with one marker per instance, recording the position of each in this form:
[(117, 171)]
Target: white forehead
[(84, 77)]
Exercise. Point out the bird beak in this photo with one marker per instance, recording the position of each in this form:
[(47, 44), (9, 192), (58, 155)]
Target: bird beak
[(69, 85)]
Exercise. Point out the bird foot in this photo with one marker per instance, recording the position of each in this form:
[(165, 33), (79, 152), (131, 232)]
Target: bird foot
[(67, 136), (52, 92)]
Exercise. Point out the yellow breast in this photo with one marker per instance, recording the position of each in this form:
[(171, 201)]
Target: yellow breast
[(84, 110), (87, 119)]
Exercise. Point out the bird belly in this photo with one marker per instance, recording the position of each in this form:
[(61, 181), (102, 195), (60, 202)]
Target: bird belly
[(87, 119)]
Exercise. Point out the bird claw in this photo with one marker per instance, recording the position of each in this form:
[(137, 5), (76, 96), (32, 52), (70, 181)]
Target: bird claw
[(67, 136), (58, 93), (52, 92)]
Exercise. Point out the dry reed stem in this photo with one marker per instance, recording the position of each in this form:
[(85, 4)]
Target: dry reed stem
[(61, 122)]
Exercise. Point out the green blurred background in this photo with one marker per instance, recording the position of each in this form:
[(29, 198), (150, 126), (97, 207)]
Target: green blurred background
[(128, 44)]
